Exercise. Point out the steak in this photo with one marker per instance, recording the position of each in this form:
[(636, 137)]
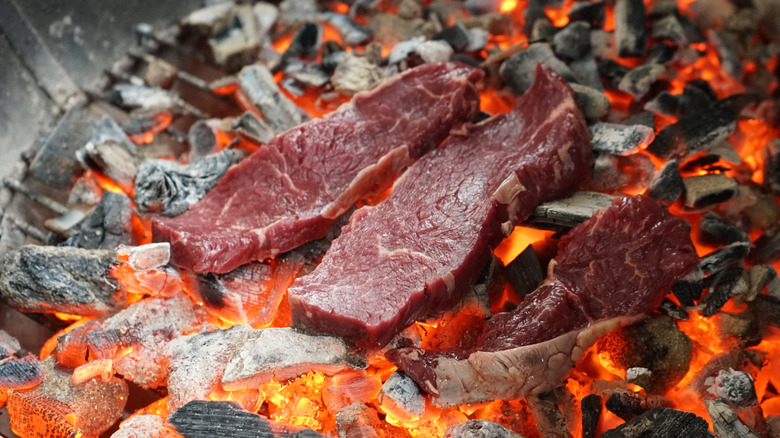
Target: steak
[(419, 251), (290, 191), (611, 271)]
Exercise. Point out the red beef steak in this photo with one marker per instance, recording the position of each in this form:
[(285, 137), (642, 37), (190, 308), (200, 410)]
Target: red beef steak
[(419, 251), (290, 191), (611, 271)]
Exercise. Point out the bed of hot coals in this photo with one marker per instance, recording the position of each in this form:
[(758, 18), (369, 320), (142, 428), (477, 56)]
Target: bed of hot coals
[(680, 101)]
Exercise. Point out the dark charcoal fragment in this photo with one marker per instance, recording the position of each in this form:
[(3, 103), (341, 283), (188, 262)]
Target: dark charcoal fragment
[(479, 429), (638, 81), (726, 421), (667, 185), (728, 283), (456, 36), (519, 69), (56, 163), (700, 130), (625, 405), (705, 190), (646, 118), (719, 259), (673, 310), (670, 28), (251, 127), (763, 277), (592, 102), (771, 154), (619, 139), (630, 27), (525, 272), (586, 71), (588, 11), (23, 373), (612, 72), (169, 188), (573, 41), (766, 248), (109, 225), (715, 230), (547, 411), (728, 53), (202, 139), (216, 419), (62, 279), (531, 14), (735, 387), (591, 413), (306, 42), (662, 423)]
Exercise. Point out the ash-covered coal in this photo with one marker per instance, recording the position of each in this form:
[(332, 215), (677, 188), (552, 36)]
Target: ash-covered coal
[(109, 225)]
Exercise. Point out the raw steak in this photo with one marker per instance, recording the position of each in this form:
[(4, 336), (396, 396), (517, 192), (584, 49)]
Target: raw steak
[(290, 191), (611, 271), (419, 251)]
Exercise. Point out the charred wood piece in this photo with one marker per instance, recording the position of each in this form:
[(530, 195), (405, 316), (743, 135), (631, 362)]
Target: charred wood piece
[(662, 422), (221, 419), (573, 41), (111, 152), (619, 139), (700, 130), (706, 190), (667, 185), (169, 188), (23, 373), (251, 127), (625, 405), (258, 86), (547, 410), (721, 258), (281, 353), (726, 422), (479, 429), (671, 309), (405, 393), (592, 102), (727, 283), (56, 163), (591, 413), (59, 279), (589, 12), (637, 82), (586, 71), (640, 376), (715, 230), (630, 32), (109, 225), (568, 212), (525, 272), (519, 69)]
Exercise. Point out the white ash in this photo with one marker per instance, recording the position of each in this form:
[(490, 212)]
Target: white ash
[(401, 389), (736, 387), (149, 256), (635, 373), (283, 353), (141, 426), (478, 39), (429, 51), (620, 139)]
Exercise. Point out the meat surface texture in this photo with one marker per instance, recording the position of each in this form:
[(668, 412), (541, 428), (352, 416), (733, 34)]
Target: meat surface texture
[(419, 251), (611, 271), (290, 191)]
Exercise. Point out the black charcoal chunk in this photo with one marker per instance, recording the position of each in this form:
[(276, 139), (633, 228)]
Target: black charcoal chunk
[(532, 14), (306, 41), (593, 103), (662, 423), (169, 188), (645, 118), (519, 69), (352, 32), (591, 12), (726, 421), (771, 155), (222, 419), (456, 36), (689, 288), (591, 413), (625, 405), (259, 87), (715, 230), (56, 163), (109, 225), (667, 185), (60, 279), (525, 272), (479, 429), (404, 392), (202, 139), (573, 41), (661, 53), (630, 30), (568, 212), (710, 189), (722, 257), (728, 53), (763, 277), (700, 130), (612, 73), (669, 308), (617, 139), (250, 126), (664, 103), (727, 283), (735, 387), (586, 71), (638, 81), (23, 373), (766, 249), (670, 28)]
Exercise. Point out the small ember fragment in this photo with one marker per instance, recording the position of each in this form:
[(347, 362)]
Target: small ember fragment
[(40, 417)]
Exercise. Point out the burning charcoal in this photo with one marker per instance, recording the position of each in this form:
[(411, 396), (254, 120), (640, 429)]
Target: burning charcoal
[(519, 69), (771, 155), (239, 44), (56, 163), (705, 190), (726, 422), (305, 43), (727, 283), (602, 46), (638, 81), (148, 326), (354, 74), (667, 185), (573, 41), (169, 188), (543, 29), (259, 87), (525, 272), (456, 36), (586, 71), (591, 12), (625, 405), (141, 426), (202, 139), (479, 429), (728, 53), (668, 307), (591, 412), (428, 51), (592, 102), (196, 363), (719, 259), (390, 29), (570, 211), (35, 416), (698, 131), (656, 344), (86, 192), (661, 53), (640, 376), (358, 420), (221, 419), (24, 373), (66, 224), (284, 353), (8, 345), (251, 127), (670, 28), (546, 410), (109, 225), (662, 422), (630, 27), (95, 403), (400, 392), (211, 20), (665, 103), (619, 139), (763, 277), (149, 256), (612, 73), (353, 33), (112, 153), (715, 230), (734, 387), (140, 96), (767, 247), (59, 279)]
